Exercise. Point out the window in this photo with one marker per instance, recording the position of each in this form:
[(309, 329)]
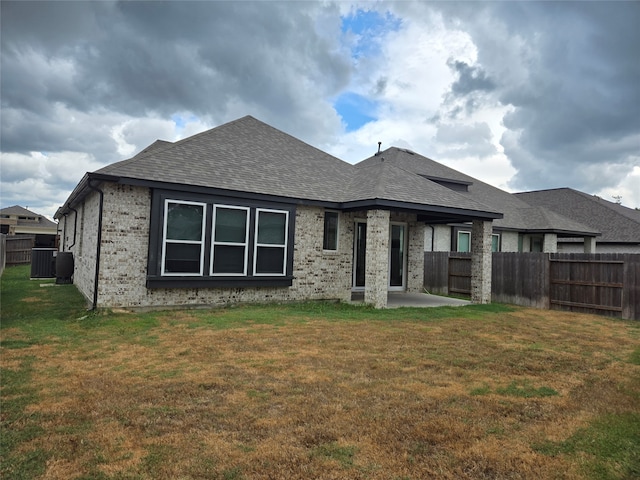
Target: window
[(230, 240), (536, 243), (495, 242), (182, 248), (464, 241), (271, 242), (205, 241), (330, 240)]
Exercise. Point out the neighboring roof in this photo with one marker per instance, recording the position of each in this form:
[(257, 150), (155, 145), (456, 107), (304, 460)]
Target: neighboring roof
[(249, 156), (518, 215), (617, 223), (40, 222)]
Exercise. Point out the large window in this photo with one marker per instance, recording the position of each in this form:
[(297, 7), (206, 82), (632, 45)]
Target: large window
[(230, 240), (209, 241), (330, 239), (183, 245), (271, 242)]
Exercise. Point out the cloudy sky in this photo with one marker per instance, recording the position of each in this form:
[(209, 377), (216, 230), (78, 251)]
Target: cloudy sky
[(522, 95)]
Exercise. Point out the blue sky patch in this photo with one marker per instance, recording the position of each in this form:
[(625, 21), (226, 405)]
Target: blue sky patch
[(355, 110), (369, 27), (181, 120)]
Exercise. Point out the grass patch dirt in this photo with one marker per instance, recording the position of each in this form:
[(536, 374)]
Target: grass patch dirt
[(314, 390)]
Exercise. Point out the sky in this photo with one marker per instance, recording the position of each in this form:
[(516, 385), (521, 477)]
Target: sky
[(521, 95)]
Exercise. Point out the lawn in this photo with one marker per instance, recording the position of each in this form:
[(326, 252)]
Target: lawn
[(313, 391)]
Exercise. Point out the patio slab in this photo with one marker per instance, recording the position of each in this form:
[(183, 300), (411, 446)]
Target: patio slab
[(419, 300)]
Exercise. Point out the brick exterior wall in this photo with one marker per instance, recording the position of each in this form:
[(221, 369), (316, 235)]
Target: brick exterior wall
[(318, 274), (83, 242)]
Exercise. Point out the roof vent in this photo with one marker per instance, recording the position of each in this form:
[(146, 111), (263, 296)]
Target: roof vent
[(379, 145)]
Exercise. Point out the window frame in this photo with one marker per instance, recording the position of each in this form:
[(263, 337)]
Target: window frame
[(257, 245), (217, 206), (201, 242), (155, 278), (324, 231), (499, 237), (465, 232)]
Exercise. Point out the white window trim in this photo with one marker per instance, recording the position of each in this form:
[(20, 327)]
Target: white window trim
[(232, 244), (190, 242), (331, 250), (497, 235), (270, 245), (458, 240)]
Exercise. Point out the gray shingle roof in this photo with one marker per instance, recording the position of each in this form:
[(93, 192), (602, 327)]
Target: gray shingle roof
[(244, 155), (384, 180), (616, 222), (518, 215), (247, 155)]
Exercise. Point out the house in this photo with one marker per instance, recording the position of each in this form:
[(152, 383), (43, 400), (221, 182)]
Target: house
[(620, 226), (17, 220), (523, 227), (247, 213)]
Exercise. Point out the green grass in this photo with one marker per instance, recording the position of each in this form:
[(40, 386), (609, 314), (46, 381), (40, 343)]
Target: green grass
[(524, 389), (343, 454), (610, 445), (272, 372)]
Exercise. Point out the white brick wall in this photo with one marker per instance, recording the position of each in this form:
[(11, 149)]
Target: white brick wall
[(318, 274), (125, 241)]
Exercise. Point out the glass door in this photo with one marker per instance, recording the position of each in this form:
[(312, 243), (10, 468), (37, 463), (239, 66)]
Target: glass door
[(397, 256), (359, 255)]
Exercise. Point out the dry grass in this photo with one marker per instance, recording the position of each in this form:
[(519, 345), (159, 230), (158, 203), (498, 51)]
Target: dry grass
[(312, 398)]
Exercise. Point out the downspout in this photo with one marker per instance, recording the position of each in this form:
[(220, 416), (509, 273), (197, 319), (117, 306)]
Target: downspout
[(64, 231), (99, 243), (75, 226)]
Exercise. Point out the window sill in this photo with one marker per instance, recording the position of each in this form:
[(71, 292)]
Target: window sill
[(218, 282)]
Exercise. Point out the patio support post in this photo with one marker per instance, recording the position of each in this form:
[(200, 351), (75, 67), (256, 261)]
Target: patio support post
[(415, 261), (481, 261), (377, 261)]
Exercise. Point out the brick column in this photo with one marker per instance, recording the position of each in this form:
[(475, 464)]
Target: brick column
[(377, 261), (481, 261), (589, 244), (550, 244), (415, 257)]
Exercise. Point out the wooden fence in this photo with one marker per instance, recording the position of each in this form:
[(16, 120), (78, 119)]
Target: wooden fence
[(18, 249), (605, 284), (3, 252)]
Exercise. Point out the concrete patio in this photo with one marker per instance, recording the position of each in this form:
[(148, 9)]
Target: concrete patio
[(419, 300)]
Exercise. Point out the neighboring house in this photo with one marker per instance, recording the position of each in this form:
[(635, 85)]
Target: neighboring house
[(620, 226), (17, 220), (523, 228), (246, 213)]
